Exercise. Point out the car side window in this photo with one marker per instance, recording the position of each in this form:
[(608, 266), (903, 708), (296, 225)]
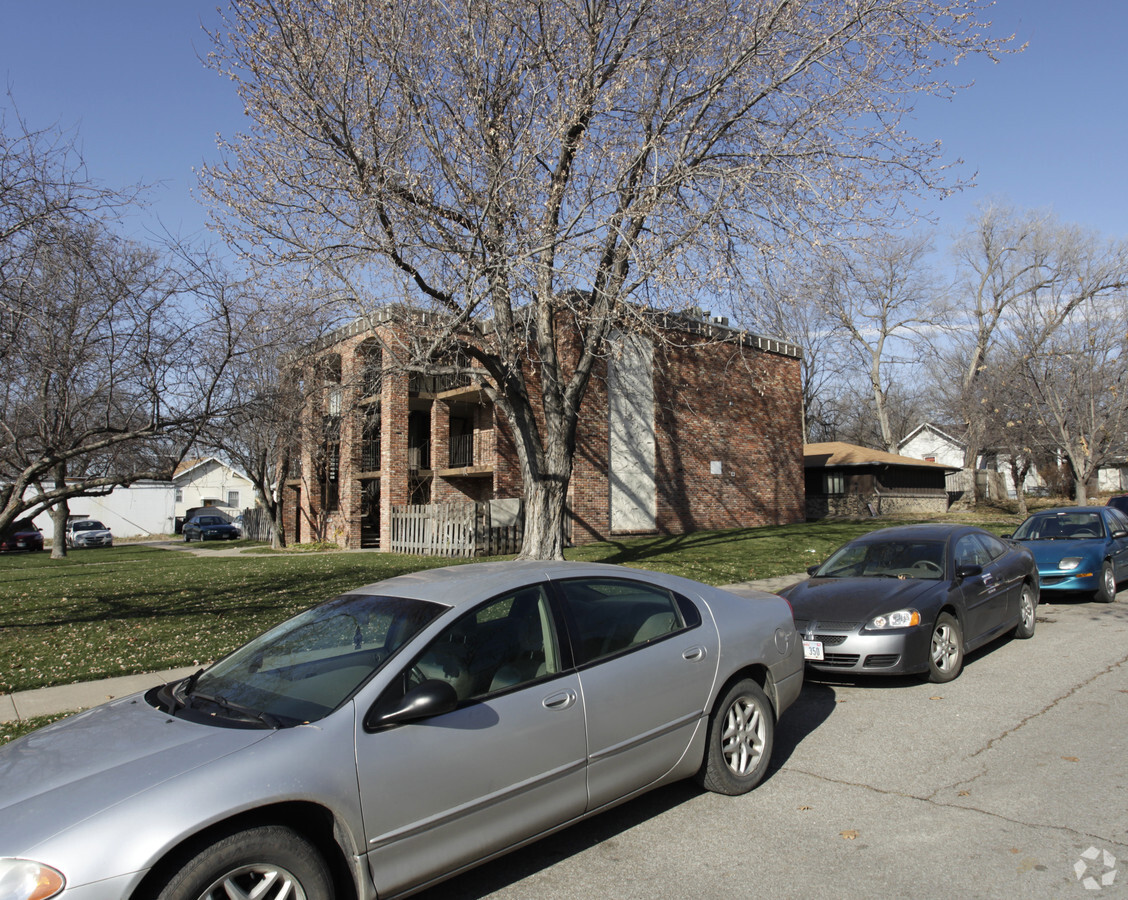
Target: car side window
[(1119, 520), (610, 615), (507, 642), (992, 545), (971, 552)]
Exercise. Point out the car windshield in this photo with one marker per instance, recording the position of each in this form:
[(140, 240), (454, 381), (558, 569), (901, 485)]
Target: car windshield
[(1061, 526), (306, 667), (89, 525), (210, 520), (886, 559)]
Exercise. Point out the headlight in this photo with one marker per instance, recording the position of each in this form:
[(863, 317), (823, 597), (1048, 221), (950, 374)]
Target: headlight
[(1069, 563), (22, 879), (902, 618)]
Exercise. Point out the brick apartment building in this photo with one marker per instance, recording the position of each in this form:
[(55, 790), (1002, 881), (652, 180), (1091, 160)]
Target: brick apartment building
[(703, 432)]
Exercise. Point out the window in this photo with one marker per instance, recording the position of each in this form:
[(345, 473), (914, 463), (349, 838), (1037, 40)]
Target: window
[(971, 552), (233, 499), (834, 484), (609, 616), (508, 642), (179, 495)]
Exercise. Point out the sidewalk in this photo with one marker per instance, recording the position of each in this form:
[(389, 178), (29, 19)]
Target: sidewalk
[(66, 698), (51, 701)]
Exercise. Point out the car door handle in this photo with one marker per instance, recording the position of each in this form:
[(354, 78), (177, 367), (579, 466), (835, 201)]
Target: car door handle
[(693, 654), (563, 700)]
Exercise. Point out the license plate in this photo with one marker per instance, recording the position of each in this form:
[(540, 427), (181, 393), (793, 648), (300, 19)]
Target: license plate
[(812, 650)]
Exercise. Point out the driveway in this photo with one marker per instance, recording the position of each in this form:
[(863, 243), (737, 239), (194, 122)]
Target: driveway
[(1007, 782)]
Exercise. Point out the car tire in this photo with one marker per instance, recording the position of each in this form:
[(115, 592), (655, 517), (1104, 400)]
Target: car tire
[(738, 746), (265, 862), (945, 651), (1027, 611), (187, 538), (1106, 589)]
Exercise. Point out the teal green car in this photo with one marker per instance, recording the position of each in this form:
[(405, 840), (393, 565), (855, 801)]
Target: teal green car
[(1079, 549)]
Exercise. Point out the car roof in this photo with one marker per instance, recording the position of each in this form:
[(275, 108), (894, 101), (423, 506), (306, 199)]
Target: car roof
[(466, 585), (921, 532), (1068, 509)]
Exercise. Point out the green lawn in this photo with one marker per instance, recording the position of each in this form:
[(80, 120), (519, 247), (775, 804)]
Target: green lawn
[(135, 608)]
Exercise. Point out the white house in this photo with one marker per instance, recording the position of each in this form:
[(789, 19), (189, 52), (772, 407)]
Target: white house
[(144, 508), (930, 442), (211, 482)]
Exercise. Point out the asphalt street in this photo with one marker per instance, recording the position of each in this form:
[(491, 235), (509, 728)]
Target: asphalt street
[(1008, 782)]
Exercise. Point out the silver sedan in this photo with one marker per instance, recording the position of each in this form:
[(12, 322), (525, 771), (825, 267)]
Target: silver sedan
[(400, 733)]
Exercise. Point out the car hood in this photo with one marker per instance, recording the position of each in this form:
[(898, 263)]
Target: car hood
[(857, 599), (1049, 553), (92, 532), (60, 775)]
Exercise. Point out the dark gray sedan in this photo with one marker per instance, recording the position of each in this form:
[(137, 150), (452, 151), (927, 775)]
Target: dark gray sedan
[(209, 528), (400, 733), (914, 599)]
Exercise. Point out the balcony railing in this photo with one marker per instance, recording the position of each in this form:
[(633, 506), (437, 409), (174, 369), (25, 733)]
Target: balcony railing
[(461, 451)]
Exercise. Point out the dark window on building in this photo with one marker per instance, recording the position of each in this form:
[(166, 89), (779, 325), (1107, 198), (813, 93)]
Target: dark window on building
[(834, 484)]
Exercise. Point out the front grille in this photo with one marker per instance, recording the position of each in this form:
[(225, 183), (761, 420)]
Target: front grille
[(801, 626), (830, 640), (839, 660), (881, 660)]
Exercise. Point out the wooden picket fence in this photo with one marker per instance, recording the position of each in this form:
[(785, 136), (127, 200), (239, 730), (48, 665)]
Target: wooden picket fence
[(455, 528)]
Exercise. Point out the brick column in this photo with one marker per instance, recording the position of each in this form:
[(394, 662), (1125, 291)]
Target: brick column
[(440, 451), (393, 450)]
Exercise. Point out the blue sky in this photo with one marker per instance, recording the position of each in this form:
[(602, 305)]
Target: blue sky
[(1043, 129)]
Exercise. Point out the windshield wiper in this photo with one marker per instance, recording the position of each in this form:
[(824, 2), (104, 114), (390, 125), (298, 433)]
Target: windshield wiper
[(246, 712)]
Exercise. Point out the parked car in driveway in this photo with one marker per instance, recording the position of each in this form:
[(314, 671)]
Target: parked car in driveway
[(85, 533), (209, 528), (914, 599), (22, 535), (1079, 548), (402, 732)]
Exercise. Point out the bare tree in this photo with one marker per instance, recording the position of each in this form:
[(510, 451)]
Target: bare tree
[(109, 355), (882, 302), (541, 171), (1078, 378), (265, 394), (1007, 258)]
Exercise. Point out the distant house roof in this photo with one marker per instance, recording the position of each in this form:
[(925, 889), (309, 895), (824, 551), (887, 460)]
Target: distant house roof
[(839, 454), (190, 465), (948, 432)]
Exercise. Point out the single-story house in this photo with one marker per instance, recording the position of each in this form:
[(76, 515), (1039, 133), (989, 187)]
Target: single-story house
[(847, 480), (210, 482)]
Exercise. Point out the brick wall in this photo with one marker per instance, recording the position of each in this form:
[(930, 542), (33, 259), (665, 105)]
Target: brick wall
[(728, 402)]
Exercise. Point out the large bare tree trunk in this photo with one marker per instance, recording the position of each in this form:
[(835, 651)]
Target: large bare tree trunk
[(545, 508)]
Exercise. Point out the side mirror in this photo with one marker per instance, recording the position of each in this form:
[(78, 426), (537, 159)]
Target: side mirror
[(431, 698), (968, 571), (1119, 534), (811, 570)]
